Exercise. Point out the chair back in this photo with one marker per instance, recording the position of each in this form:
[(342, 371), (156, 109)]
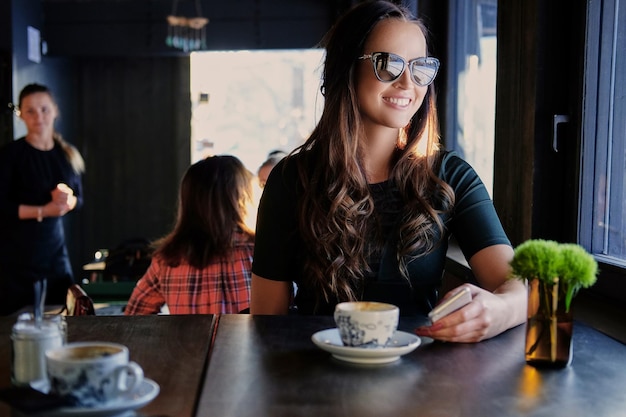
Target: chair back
[(78, 303)]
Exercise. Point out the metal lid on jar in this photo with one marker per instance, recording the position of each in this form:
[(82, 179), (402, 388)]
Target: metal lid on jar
[(29, 329)]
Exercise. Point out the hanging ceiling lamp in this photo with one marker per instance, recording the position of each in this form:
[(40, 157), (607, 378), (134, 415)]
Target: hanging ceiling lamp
[(186, 33)]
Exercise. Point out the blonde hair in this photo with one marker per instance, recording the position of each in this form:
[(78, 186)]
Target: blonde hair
[(71, 153)]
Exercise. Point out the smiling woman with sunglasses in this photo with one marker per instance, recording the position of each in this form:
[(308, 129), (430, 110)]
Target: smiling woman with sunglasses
[(363, 210)]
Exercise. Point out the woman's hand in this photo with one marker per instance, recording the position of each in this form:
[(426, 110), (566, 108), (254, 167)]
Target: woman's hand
[(486, 316), (61, 194), (498, 306), (63, 201)]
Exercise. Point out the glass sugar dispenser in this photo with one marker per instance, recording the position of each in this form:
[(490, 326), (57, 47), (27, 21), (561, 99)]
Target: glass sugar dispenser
[(31, 338)]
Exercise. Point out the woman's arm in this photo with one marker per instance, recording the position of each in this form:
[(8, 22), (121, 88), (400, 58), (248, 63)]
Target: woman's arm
[(275, 247), (498, 305), (50, 209), (26, 211), (9, 208), (491, 267), (269, 297)]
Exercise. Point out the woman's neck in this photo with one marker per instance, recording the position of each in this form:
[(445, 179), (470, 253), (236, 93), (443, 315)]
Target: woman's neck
[(376, 169), (377, 156), (42, 142)]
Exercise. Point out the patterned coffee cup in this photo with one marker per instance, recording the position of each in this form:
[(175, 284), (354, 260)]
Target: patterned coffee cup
[(92, 374), (366, 324)]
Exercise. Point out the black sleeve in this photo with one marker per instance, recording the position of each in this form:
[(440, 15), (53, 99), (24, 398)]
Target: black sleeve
[(276, 244), (474, 222), (8, 203)]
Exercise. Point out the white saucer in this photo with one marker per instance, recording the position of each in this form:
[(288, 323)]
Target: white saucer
[(142, 396), (401, 344)]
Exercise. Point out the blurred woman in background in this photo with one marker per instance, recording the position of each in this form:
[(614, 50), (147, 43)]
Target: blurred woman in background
[(40, 182), (204, 265), (266, 167)]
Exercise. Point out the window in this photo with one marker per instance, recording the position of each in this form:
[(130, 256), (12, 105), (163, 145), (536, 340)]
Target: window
[(603, 193), (471, 66), (249, 103)]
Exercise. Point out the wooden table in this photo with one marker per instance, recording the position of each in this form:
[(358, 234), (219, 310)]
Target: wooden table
[(172, 350), (268, 366)]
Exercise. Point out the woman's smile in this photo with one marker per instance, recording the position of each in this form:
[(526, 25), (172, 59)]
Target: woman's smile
[(398, 101)]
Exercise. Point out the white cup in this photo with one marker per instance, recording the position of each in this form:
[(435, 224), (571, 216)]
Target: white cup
[(92, 374), (366, 323)]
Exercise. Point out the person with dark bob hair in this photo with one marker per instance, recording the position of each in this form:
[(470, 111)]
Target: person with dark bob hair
[(203, 266), (40, 182), (364, 209), (273, 158)]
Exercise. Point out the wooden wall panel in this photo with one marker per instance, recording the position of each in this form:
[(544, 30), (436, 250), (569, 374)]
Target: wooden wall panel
[(135, 127), (515, 118), (539, 76)]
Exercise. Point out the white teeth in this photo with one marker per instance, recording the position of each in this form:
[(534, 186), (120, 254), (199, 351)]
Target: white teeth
[(399, 101)]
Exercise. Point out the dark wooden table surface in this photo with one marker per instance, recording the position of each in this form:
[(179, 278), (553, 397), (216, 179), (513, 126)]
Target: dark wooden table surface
[(172, 350), (268, 366)]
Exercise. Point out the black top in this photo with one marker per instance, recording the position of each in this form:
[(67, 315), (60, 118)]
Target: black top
[(30, 249), (279, 249)]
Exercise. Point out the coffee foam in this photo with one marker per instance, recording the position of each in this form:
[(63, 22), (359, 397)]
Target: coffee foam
[(368, 306), (89, 352)]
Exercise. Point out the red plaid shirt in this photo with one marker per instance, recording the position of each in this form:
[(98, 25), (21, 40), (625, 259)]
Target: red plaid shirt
[(221, 287)]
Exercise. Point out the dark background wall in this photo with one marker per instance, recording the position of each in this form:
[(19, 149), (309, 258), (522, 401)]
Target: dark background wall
[(135, 125), (138, 27), (6, 39)]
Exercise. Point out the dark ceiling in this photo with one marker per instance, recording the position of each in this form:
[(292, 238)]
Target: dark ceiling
[(139, 27)]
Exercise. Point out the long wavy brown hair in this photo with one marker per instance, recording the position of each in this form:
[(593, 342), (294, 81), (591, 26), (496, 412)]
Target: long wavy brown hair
[(215, 195), (71, 153), (335, 214)]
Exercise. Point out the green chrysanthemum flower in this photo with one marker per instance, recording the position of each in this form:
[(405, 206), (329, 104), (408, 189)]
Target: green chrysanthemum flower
[(578, 268), (546, 260), (536, 259)]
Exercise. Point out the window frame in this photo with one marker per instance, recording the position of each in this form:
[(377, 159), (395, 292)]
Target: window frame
[(538, 192), (464, 34), (600, 78)]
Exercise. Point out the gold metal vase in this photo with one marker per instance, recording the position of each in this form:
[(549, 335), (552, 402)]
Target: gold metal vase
[(549, 326)]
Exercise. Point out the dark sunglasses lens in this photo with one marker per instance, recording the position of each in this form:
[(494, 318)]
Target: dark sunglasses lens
[(424, 71), (388, 67)]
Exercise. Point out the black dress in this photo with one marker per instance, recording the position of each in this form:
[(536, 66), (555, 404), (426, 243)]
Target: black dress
[(279, 250), (30, 250)]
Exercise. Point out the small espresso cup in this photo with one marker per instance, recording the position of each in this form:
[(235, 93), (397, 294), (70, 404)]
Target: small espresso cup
[(366, 324), (92, 374)]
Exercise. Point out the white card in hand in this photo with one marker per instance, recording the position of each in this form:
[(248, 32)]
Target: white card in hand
[(458, 300)]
